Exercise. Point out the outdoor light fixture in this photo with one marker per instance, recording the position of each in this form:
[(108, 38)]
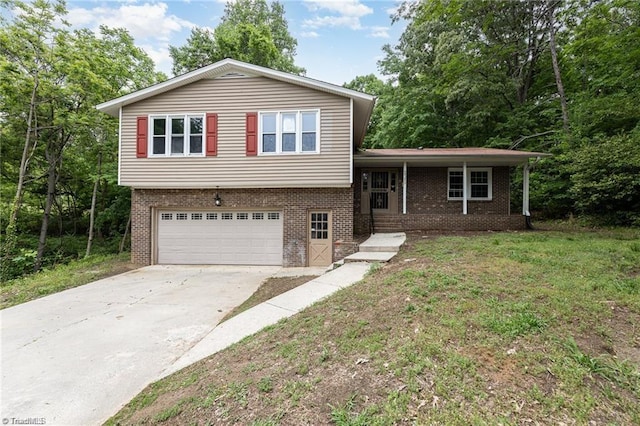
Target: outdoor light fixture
[(217, 199)]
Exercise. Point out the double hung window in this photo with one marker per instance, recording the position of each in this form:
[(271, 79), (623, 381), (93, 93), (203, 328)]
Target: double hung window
[(177, 135), (289, 132), (478, 183)]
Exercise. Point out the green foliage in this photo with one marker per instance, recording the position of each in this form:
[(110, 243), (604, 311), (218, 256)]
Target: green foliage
[(252, 31), (464, 70), (371, 85), (51, 78), (606, 179), (479, 73)]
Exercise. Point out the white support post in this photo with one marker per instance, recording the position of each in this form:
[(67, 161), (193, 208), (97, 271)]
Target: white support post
[(404, 188), (464, 188), (525, 190)]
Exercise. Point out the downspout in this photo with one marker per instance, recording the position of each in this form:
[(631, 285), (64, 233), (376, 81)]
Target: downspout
[(525, 195), (464, 188), (351, 146), (119, 145), (404, 188)]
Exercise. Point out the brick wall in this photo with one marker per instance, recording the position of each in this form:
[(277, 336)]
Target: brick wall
[(428, 207), (294, 203)]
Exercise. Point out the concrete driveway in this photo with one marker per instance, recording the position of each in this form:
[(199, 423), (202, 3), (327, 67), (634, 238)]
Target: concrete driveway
[(74, 358)]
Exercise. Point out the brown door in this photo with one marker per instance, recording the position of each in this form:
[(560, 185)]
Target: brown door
[(320, 239)]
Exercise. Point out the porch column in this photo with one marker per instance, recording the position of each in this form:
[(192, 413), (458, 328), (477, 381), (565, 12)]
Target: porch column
[(525, 190), (464, 188), (404, 188)]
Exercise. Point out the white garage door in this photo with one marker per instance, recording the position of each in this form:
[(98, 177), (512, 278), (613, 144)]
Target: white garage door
[(218, 237)]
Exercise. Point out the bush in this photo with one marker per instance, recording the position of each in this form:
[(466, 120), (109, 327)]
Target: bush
[(605, 179)]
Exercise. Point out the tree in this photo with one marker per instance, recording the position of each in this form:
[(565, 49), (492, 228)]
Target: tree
[(606, 179), (26, 67), (62, 75), (250, 31), (371, 85), (504, 73), (465, 71)]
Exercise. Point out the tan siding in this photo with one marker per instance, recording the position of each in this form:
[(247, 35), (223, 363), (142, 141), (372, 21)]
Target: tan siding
[(232, 98)]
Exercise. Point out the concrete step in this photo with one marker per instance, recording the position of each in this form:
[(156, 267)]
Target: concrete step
[(378, 256), (383, 242)]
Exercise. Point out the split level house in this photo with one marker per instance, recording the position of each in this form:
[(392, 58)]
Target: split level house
[(234, 163)]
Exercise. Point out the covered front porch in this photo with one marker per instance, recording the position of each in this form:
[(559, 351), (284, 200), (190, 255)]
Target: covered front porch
[(443, 189)]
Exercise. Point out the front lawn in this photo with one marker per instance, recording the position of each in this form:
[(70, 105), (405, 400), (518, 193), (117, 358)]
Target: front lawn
[(516, 328)]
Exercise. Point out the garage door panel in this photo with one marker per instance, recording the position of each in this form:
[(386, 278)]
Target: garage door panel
[(245, 238)]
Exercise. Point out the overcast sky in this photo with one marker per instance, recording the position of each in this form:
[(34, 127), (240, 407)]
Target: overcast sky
[(337, 39)]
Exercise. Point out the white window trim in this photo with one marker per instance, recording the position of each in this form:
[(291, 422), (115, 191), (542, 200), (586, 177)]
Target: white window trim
[(186, 135), (298, 150), (489, 171)]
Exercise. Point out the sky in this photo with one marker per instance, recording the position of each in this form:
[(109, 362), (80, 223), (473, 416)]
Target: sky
[(337, 39)]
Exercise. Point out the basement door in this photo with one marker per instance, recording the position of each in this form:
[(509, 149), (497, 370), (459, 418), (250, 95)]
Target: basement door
[(249, 237), (320, 239)]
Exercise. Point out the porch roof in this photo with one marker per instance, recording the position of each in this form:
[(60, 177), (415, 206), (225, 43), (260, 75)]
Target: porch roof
[(435, 157)]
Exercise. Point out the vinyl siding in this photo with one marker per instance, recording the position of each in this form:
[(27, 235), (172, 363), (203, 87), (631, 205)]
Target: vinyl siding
[(231, 99)]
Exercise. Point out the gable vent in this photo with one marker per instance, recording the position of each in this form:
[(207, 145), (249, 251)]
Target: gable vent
[(233, 75)]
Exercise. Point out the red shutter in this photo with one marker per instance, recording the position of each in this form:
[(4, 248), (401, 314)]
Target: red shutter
[(212, 134), (141, 137), (252, 133)]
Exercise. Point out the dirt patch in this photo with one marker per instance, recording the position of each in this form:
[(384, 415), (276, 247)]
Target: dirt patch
[(269, 289), (619, 336)]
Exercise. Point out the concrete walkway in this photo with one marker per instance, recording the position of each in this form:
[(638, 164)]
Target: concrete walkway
[(379, 247), (270, 312)]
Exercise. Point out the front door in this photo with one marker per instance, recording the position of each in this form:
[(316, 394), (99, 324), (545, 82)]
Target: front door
[(379, 191), (320, 239)]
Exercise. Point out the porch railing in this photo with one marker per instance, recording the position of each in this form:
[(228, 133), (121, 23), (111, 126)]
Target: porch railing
[(372, 226)]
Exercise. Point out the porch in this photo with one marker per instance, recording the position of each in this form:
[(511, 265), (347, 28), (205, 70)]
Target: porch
[(438, 189)]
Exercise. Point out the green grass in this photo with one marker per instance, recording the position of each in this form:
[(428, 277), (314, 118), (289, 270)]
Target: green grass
[(62, 277), (531, 327)]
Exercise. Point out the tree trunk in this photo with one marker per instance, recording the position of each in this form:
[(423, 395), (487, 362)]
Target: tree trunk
[(51, 192), (93, 206), (11, 230), (556, 67), (126, 232)]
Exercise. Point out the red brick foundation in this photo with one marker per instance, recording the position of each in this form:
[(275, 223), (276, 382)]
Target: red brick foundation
[(294, 203)]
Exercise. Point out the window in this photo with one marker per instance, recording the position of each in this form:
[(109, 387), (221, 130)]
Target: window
[(242, 216), (319, 226), (273, 216), (167, 216), (212, 216), (478, 183), (258, 216), (456, 188), (290, 132), (227, 216), (177, 135), (181, 216), (196, 216)]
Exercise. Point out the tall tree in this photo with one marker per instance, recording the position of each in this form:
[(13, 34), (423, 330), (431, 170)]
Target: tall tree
[(465, 70), (252, 31), (52, 78), (26, 59), (371, 85)]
